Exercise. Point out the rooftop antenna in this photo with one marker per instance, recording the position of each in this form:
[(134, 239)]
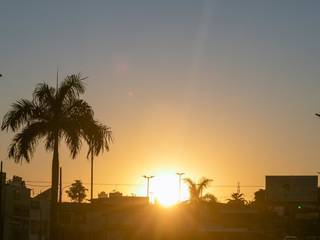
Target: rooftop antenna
[(238, 187), (57, 81)]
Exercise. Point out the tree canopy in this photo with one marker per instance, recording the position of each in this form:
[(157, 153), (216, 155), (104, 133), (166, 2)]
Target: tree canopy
[(77, 192)]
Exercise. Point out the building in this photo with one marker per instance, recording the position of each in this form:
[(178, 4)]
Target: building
[(295, 199), (292, 189), (112, 216), (15, 209), (40, 216), (23, 217)]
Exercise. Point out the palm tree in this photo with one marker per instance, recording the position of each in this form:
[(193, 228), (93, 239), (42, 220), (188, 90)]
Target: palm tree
[(196, 189), (98, 142), (54, 114), (237, 199)]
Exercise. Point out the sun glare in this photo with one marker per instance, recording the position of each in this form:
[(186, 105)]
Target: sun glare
[(165, 190)]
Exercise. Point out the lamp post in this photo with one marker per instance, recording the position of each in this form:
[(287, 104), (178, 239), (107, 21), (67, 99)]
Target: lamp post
[(60, 187), (148, 184), (180, 175), (2, 181), (91, 179)]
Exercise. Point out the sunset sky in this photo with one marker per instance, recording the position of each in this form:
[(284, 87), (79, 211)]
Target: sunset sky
[(222, 89)]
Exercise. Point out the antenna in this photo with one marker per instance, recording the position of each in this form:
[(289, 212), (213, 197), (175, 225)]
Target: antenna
[(57, 79), (238, 187)]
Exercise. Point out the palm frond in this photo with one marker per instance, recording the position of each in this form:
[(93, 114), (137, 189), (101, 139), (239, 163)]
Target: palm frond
[(72, 134), (50, 140), (71, 87), (44, 94), (21, 113), (192, 189), (102, 139), (98, 136), (204, 183), (23, 144), (78, 109)]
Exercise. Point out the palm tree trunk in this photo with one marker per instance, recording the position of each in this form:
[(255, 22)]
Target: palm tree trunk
[(91, 192), (54, 191)]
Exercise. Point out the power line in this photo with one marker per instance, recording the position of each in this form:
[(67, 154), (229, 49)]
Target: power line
[(222, 185), (32, 185), (29, 183), (86, 183)]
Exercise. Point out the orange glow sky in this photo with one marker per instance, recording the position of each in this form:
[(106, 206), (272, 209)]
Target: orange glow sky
[(209, 88)]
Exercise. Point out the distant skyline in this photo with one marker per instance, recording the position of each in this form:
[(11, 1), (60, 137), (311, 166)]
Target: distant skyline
[(222, 89)]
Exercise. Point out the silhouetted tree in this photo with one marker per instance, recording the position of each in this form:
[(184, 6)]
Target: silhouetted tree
[(77, 192), (210, 198), (260, 196), (102, 194), (237, 199), (54, 114), (98, 142), (196, 189)]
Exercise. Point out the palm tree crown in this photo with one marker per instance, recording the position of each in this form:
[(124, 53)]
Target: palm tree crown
[(196, 189), (54, 114)]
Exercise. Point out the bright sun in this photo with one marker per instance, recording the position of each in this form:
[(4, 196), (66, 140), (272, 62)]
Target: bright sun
[(165, 190)]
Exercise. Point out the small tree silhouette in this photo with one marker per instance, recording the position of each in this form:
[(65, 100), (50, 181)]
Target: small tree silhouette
[(77, 192), (210, 198), (237, 199)]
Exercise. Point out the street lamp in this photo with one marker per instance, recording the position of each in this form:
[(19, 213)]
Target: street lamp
[(180, 175), (148, 184)]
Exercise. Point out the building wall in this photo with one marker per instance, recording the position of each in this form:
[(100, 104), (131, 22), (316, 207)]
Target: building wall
[(16, 211), (39, 219)]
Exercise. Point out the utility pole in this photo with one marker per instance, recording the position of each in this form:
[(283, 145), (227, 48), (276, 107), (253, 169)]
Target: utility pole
[(238, 188), (180, 175), (60, 189), (2, 181), (148, 184), (91, 183)]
